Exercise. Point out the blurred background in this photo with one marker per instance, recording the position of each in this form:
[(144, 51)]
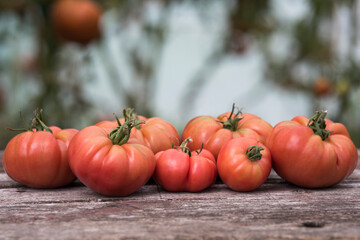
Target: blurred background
[(82, 60)]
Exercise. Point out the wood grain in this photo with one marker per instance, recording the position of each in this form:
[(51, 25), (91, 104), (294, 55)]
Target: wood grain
[(277, 210)]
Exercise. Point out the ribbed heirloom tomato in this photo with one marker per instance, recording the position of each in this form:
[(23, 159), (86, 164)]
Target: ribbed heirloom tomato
[(156, 133), (181, 170), (38, 157), (312, 153), (213, 132), (244, 164), (103, 160)]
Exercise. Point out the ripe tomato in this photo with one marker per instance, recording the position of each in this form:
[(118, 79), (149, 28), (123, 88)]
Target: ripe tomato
[(244, 164), (103, 160), (181, 170), (312, 153), (38, 157), (322, 86), (154, 132), (213, 132), (76, 20)]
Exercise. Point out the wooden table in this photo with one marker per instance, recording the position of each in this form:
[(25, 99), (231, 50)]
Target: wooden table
[(276, 210)]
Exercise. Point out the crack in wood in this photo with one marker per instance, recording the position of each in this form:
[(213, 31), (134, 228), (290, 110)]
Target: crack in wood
[(313, 224)]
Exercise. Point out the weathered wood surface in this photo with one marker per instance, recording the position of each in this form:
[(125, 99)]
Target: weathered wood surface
[(276, 210)]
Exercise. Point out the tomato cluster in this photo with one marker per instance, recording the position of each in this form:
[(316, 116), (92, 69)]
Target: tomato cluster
[(116, 158)]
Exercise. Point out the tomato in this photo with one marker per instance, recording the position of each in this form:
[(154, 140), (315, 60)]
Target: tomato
[(181, 170), (154, 132), (103, 160), (213, 132), (76, 20), (38, 157), (244, 164), (322, 86), (312, 153)]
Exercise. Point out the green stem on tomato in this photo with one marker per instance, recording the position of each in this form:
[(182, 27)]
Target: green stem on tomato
[(183, 146), (254, 152), (318, 125), (121, 134), (232, 122), (36, 123), (117, 119), (200, 150), (130, 115), (27, 126)]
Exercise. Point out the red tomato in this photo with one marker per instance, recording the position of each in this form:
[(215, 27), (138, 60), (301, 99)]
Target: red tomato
[(213, 132), (244, 164), (178, 170), (156, 133), (312, 153), (103, 160), (76, 20), (38, 157), (322, 86)]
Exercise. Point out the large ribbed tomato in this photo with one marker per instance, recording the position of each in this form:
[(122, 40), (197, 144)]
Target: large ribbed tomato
[(155, 132), (313, 152), (181, 170), (103, 160), (76, 20), (213, 133), (38, 157), (244, 164)]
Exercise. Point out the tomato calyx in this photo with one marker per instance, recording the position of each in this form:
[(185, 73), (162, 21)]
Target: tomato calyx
[(131, 115), (183, 146), (317, 124), (121, 134), (232, 122), (200, 150), (254, 152), (37, 123)]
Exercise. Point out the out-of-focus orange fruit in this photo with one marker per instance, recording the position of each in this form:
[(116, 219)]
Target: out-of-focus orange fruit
[(76, 20), (322, 86)]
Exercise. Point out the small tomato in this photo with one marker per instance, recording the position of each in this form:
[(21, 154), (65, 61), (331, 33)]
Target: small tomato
[(322, 86), (76, 20), (181, 170), (244, 164)]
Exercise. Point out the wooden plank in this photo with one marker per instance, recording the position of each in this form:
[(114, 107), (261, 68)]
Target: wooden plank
[(276, 210)]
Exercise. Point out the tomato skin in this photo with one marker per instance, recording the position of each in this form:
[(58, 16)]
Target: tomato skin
[(107, 168), (176, 171), (39, 159), (237, 171), (207, 130), (76, 20), (155, 133), (304, 159)]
